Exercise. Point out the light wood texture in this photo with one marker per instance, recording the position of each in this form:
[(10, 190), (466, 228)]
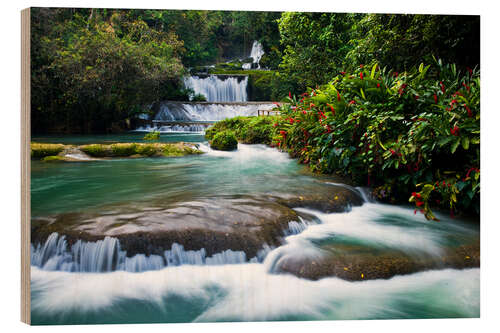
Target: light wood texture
[(25, 166)]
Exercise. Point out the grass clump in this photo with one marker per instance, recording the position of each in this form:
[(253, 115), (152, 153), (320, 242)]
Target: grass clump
[(246, 129), (41, 150), (225, 140)]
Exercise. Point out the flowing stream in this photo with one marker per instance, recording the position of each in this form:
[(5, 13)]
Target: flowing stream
[(99, 282)]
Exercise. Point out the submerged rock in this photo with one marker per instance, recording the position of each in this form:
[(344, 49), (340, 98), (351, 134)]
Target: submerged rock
[(216, 224), (361, 263)]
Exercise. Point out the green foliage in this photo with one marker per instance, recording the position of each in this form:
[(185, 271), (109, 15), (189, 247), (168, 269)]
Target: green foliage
[(225, 140), (155, 135), (92, 69), (395, 132), (246, 129), (41, 150), (403, 41)]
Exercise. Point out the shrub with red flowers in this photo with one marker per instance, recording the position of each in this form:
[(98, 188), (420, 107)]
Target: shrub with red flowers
[(408, 132)]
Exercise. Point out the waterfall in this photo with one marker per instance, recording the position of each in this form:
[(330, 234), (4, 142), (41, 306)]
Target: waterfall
[(203, 112), (219, 88), (106, 255), (256, 54)]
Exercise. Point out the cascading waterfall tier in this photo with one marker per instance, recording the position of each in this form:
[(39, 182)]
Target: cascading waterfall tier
[(256, 54), (196, 117), (219, 88), (106, 255)]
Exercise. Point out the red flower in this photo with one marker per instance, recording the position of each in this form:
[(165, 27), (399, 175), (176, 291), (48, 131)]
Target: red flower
[(469, 112), (378, 85), (304, 112), (361, 75), (442, 86), (312, 104), (394, 153), (352, 102), (395, 74), (454, 130), (275, 124), (338, 96), (417, 97), (419, 203), (435, 98), (361, 66), (283, 133), (343, 73), (290, 94)]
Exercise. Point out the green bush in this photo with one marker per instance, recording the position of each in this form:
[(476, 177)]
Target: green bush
[(414, 134), (225, 140), (40, 150), (155, 135)]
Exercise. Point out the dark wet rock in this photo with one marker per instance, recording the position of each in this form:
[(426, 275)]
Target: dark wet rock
[(358, 264), (331, 199), (216, 224)]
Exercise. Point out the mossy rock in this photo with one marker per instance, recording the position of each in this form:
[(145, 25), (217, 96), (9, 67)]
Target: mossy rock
[(225, 140), (95, 150), (41, 150), (124, 149), (155, 135), (55, 158)]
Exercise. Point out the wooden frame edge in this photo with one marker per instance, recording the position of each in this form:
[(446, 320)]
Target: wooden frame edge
[(25, 166)]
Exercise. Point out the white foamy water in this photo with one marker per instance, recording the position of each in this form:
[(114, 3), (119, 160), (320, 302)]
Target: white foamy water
[(177, 111), (219, 89), (248, 293), (256, 54)]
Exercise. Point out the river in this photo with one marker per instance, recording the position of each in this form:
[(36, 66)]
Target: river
[(73, 286)]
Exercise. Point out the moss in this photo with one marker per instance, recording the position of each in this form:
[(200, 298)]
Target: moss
[(155, 135), (40, 150), (123, 149), (95, 150), (54, 158), (146, 149), (225, 140)]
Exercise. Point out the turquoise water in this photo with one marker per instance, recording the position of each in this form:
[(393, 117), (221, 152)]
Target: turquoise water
[(248, 291)]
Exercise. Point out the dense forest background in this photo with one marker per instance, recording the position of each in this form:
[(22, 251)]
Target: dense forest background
[(95, 70)]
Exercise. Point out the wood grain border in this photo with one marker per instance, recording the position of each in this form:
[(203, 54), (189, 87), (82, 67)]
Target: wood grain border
[(25, 165)]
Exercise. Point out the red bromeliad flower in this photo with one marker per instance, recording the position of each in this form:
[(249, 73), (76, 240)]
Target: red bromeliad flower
[(417, 97), (454, 130), (378, 85), (393, 152), (469, 112), (352, 102), (275, 124), (395, 74), (442, 86), (338, 96), (283, 133), (290, 94), (304, 112), (435, 98), (343, 73), (361, 75)]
